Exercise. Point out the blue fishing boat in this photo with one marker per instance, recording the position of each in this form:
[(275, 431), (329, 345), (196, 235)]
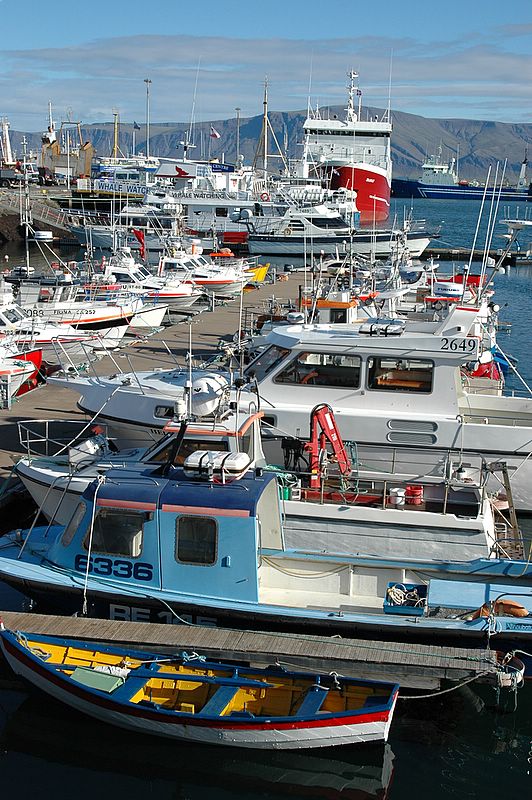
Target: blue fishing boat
[(190, 698), (203, 543)]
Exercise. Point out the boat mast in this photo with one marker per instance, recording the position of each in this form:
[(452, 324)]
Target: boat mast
[(147, 81), (115, 134), (262, 145), (26, 220), (352, 90)]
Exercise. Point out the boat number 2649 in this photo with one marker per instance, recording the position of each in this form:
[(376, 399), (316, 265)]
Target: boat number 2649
[(457, 344), (118, 567)]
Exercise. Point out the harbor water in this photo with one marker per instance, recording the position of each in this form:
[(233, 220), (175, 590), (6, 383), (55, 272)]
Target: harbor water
[(461, 744)]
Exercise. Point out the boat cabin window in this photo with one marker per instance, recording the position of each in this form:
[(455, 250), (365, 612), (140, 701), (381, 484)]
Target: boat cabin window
[(71, 528), (117, 532), (196, 540), (188, 446), (11, 315), (322, 369), (164, 412), (400, 374), (329, 222), (266, 362), (222, 211)]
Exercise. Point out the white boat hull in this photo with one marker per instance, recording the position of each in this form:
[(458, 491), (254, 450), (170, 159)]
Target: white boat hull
[(287, 738), (379, 246)]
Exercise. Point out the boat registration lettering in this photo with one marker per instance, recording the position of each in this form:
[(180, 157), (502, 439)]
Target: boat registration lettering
[(138, 614), (517, 626), (456, 344), (117, 567)]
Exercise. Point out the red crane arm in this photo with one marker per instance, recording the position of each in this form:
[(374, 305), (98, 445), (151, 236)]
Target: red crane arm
[(323, 428)]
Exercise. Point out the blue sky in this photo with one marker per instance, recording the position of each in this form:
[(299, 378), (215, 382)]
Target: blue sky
[(469, 59)]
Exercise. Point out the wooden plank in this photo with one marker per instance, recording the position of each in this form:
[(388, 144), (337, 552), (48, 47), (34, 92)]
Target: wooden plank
[(413, 664)]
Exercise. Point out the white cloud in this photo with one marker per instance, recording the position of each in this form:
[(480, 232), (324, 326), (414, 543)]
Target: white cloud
[(473, 77)]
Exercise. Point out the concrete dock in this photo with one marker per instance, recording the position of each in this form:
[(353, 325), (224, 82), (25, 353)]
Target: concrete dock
[(204, 329)]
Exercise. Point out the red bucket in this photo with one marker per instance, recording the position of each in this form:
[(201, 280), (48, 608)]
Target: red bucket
[(414, 494)]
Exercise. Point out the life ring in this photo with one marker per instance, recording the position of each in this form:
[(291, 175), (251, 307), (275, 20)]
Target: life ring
[(438, 305), (507, 607), (287, 231), (265, 197)]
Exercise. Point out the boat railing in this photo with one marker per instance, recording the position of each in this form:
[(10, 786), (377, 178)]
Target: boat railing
[(489, 386), (50, 438), (443, 497), (487, 418)]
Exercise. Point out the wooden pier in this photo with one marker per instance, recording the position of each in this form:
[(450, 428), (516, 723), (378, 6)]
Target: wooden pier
[(461, 254), (411, 665)]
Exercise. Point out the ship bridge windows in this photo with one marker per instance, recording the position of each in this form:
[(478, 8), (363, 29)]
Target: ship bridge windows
[(196, 540), (346, 132), (400, 374), (322, 369), (187, 447), (116, 531), (266, 362)]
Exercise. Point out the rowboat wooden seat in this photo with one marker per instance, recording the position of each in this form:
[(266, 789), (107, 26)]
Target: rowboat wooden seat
[(312, 701), (216, 705)]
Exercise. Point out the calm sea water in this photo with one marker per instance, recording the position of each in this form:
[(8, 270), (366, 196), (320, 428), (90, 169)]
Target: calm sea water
[(458, 745)]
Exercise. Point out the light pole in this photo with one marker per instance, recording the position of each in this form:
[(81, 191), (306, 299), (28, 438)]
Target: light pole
[(147, 81), (237, 135)]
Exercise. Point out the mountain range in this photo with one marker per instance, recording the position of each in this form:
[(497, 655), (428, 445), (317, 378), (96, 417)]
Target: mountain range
[(477, 143)]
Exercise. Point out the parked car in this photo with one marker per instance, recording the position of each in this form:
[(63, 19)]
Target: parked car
[(46, 177)]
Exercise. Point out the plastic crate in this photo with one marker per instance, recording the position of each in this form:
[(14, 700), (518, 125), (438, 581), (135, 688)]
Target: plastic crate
[(409, 608)]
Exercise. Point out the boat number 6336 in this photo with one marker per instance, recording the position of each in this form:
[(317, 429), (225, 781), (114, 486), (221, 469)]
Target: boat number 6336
[(117, 567)]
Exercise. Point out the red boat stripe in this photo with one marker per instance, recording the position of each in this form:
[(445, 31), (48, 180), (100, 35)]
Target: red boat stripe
[(126, 504), (221, 512)]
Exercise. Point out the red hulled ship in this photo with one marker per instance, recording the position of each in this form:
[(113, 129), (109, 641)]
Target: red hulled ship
[(352, 154)]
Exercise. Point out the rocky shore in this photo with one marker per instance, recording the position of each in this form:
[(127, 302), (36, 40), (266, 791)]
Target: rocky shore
[(10, 228)]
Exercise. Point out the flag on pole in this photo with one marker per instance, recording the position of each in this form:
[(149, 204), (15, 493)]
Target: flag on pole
[(136, 126), (139, 236), (214, 133)]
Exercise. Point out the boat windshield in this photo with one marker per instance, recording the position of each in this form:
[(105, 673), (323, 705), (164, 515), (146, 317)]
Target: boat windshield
[(266, 362), (329, 222)]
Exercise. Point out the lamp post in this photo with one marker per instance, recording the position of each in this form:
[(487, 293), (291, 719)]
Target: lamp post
[(147, 81), (237, 135)]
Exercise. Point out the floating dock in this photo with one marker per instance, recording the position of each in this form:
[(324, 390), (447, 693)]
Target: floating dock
[(461, 254), (411, 665)]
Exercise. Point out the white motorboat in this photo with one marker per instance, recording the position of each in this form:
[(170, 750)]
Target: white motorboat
[(122, 274), (392, 383), (63, 301), (140, 227), (207, 274), (299, 230)]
